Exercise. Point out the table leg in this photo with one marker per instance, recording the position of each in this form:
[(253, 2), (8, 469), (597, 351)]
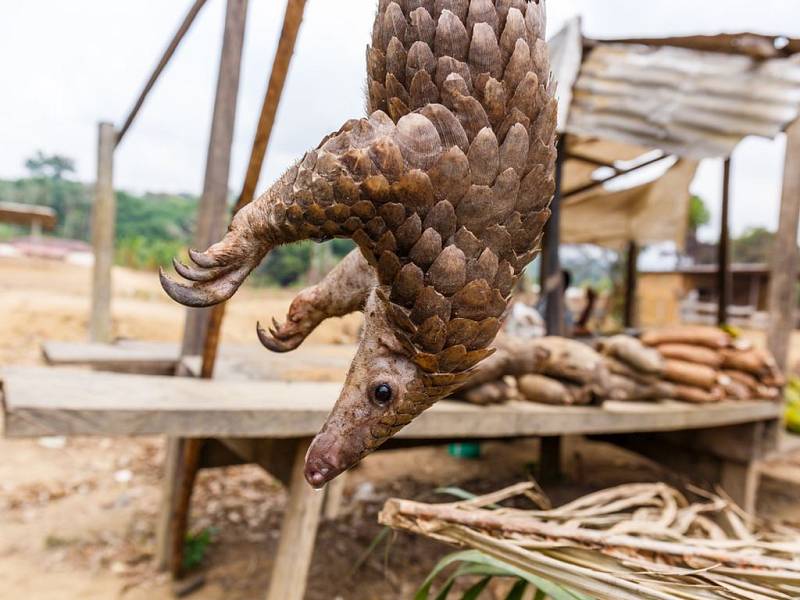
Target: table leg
[(298, 534), (180, 471)]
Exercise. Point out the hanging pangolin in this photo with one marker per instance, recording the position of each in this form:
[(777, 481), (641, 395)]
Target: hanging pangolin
[(445, 189)]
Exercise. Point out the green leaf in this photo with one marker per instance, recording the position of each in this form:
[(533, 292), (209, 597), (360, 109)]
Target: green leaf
[(372, 547), (445, 591), (478, 563), (540, 595), (476, 590), (517, 591), (464, 556)]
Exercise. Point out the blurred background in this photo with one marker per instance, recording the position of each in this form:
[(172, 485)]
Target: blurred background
[(83, 511)]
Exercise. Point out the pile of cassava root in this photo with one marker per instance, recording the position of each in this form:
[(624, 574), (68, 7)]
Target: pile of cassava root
[(691, 364)]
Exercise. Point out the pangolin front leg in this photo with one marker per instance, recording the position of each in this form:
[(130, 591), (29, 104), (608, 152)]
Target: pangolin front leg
[(344, 290)]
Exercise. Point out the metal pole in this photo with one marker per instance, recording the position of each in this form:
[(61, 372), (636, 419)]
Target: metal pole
[(212, 213), (552, 280), (783, 276), (104, 210), (724, 254)]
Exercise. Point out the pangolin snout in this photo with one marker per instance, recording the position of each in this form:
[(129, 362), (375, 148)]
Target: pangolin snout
[(324, 460)]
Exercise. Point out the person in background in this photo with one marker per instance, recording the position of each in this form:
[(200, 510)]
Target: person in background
[(541, 305)]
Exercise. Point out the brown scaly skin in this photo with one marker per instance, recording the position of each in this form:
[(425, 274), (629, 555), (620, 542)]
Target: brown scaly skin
[(445, 188)]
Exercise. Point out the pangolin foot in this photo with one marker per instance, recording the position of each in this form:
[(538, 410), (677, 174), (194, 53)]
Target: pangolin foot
[(216, 275), (301, 320), (282, 337)]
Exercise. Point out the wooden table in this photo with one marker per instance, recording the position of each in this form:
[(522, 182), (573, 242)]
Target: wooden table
[(270, 423)]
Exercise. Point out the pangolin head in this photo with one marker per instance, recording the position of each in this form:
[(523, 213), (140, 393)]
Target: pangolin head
[(388, 385)]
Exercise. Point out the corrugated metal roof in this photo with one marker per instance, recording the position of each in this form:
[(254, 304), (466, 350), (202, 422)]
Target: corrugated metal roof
[(692, 103)]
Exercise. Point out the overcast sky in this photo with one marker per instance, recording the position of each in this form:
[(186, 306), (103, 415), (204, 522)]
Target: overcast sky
[(67, 65)]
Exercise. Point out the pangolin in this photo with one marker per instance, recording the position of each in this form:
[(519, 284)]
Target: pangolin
[(445, 188)]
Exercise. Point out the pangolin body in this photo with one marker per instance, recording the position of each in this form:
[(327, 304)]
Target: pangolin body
[(445, 189)]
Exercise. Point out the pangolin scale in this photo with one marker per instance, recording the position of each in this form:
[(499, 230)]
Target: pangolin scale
[(445, 188)]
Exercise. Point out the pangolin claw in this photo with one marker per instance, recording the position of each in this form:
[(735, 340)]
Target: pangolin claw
[(201, 275), (275, 341), (202, 259), (195, 297)]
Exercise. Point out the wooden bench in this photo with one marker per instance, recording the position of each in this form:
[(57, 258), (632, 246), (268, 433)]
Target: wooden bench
[(270, 423)]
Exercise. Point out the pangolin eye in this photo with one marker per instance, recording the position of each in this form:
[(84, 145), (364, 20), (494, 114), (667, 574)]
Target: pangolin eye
[(382, 394)]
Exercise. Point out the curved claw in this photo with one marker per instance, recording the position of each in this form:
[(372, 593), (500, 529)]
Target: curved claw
[(271, 341), (201, 295), (202, 259), (202, 274)]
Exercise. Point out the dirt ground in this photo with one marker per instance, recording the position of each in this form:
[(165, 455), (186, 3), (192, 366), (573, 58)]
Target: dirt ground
[(77, 516)]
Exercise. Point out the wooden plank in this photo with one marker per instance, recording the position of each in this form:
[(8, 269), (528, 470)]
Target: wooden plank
[(298, 534), (319, 362), (123, 356), (784, 268), (47, 401), (104, 211)]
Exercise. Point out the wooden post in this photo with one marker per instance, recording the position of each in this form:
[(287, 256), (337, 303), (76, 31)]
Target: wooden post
[(784, 267), (552, 282), (724, 253), (104, 212), (631, 283), (212, 214), (269, 109), (181, 461), (298, 534), (549, 460)]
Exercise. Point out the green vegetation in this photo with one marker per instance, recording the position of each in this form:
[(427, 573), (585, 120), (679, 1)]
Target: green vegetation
[(195, 548), (475, 564), (151, 228), (699, 214)]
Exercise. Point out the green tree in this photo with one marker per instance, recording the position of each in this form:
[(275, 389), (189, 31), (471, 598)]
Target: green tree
[(698, 213), (753, 246), (52, 166)]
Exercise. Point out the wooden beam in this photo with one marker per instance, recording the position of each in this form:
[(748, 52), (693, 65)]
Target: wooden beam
[(619, 173), (784, 267), (269, 109), (298, 534), (162, 63), (723, 250), (104, 212), (631, 284), (753, 45), (212, 214), (552, 282)]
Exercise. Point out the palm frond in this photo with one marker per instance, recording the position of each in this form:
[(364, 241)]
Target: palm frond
[(632, 542)]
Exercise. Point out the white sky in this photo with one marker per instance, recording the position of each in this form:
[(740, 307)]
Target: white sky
[(67, 65)]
